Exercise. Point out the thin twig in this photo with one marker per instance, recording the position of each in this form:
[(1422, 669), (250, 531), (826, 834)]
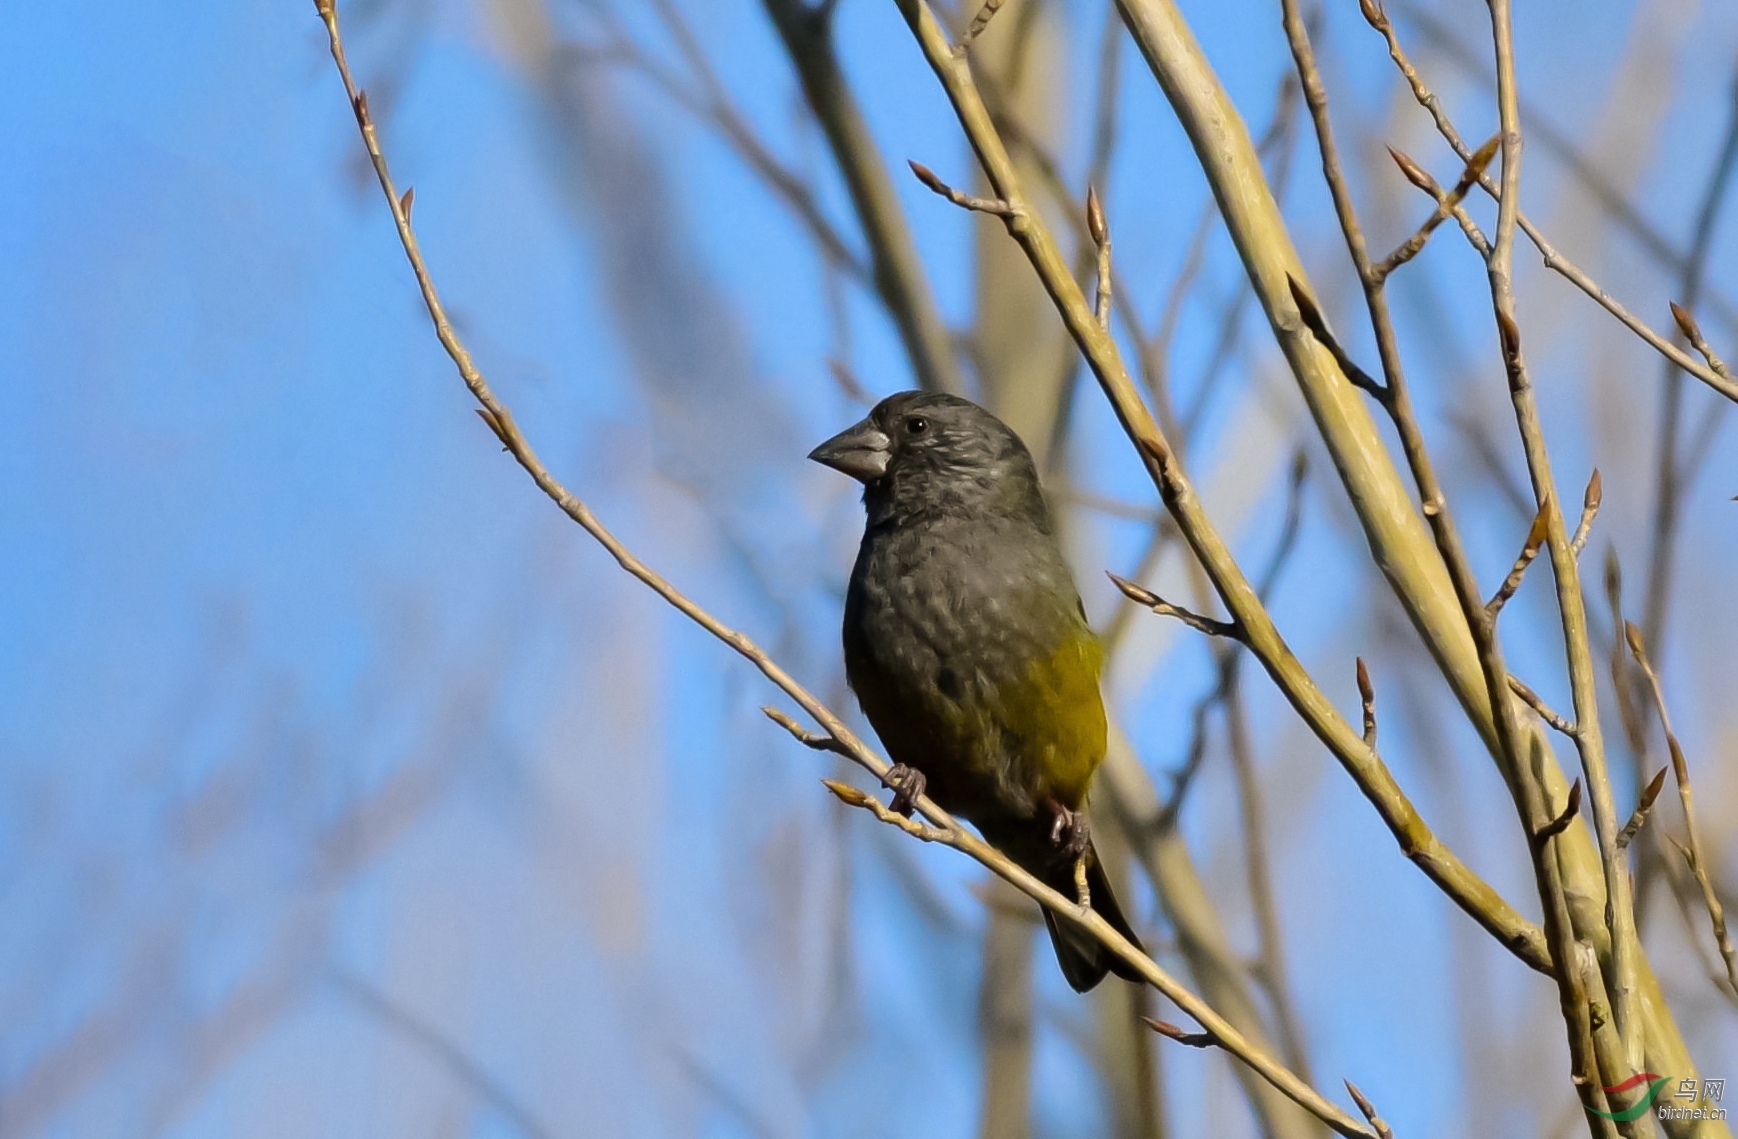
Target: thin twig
[(1152, 353), (443, 1049), (1095, 225), (1693, 333), (986, 12), (852, 797), (1693, 852), (1367, 696), (1369, 1110), (1445, 202), (1184, 777), (1534, 701), (1590, 500), (1598, 185), (1188, 1039), (1675, 476), (1554, 260), (1516, 747), (1207, 625), (1447, 205), (1561, 822), (1223, 694), (819, 741), (995, 206), (1529, 550), (1627, 956), (848, 382), (1648, 795), (712, 104), (1270, 965)]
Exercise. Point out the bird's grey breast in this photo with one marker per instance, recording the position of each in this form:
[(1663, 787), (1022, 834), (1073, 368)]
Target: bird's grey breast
[(956, 606)]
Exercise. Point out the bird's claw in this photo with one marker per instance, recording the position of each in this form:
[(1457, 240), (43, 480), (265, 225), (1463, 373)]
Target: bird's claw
[(907, 785), (1070, 831)]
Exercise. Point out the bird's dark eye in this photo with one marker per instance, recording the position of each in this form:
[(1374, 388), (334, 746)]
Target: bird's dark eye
[(917, 425)]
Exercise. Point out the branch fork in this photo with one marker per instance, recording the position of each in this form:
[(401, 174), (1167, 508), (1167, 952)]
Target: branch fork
[(1447, 205)]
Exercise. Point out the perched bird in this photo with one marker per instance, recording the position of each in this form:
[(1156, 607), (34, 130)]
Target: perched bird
[(969, 650)]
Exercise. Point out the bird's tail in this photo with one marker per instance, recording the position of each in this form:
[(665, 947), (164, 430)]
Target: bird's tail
[(1084, 959)]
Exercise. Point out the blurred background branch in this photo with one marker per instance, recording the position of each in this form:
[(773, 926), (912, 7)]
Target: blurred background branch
[(303, 684)]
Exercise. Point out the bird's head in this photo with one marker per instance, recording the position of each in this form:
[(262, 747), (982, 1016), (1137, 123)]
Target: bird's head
[(920, 452)]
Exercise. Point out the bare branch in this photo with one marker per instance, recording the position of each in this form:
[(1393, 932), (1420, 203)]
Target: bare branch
[(455, 1059), (1529, 550), (1101, 239), (849, 383), (711, 104), (819, 741), (980, 21), (1561, 822), (1681, 769), (1517, 748), (1378, 19), (1447, 205), (1593, 1051), (1537, 704), (994, 206), (1693, 333), (852, 797), (1649, 793), (1188, 1039), (1369, 1110), (1367, 693), (1164, 608), (1590, 501)]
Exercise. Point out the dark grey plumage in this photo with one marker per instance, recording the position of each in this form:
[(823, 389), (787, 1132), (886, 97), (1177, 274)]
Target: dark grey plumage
[(966, 643)]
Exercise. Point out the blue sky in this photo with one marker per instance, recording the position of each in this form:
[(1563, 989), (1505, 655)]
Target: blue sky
[(307, 697)]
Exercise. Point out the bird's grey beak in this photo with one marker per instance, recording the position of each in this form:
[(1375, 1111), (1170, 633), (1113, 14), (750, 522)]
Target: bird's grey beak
[(861, 451)]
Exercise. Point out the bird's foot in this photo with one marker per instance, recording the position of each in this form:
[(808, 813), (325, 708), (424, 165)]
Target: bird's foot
[(1073, 837), (907, 785), (1070, 831)]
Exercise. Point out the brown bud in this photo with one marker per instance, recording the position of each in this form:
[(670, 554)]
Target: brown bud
[(1686, 323), (927, 177), (1511, 337), (1476, 166), (494, 425), (1632, 634), (1652, 790), (1536, 532), (1414, 173), (1095, 218), (847, 794)]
